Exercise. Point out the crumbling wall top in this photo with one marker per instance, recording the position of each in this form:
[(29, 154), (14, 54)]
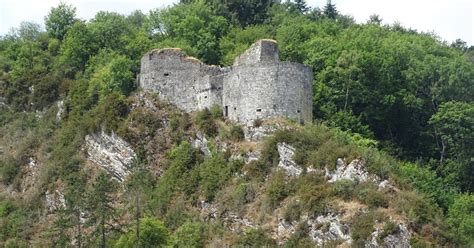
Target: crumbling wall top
[(264, 50)]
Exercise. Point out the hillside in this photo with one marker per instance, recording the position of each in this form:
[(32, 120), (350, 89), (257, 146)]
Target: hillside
[(88, 159)]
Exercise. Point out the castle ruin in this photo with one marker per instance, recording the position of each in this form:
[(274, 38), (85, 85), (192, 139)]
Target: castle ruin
[(257, 86)]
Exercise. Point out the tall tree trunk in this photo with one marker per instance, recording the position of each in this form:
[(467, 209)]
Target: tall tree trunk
[(79, 234), (103, 233)]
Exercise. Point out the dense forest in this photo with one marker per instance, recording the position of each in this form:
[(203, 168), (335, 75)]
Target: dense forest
[(401, 97)]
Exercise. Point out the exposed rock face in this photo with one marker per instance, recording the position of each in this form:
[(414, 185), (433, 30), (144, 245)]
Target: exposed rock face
[(355, 171), (30, 172), (400, 239), (200, 142), (59, 114), (252, 133), (110, 152), (327, 228), (54, 200), (286, 160)]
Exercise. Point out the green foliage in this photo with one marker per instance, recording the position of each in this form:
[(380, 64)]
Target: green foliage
[(390, 228), (454, 125), (417, 209), (255, 238), (213, 173), (238, 40), (182, 159), (236, 133), (195, 24), (9, 169), (292, 211), (190, 234), (362, 226), (152, 233), (115, 75), (205, 122), (461, 217), (100, 204), (369, 194), (59, 20), (425, 180), (277, 189), (216, 111)]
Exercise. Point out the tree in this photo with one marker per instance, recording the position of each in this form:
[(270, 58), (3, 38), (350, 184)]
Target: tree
[(59, 20), (195, 25), (374, 19), (77, 48), (461, 217), (101, 206), (153, 233), (454, 127), (330, 10), (190, 234), (301, 6)]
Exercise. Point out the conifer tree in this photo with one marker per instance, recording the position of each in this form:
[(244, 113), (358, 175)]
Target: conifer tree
[(330, 10)]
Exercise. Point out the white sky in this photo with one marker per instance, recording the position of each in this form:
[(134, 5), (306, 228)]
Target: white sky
[(450, 19)]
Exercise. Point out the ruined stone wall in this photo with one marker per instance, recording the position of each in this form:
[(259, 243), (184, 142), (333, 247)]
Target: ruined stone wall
[(268, 90), (181, 80), (257, 86)]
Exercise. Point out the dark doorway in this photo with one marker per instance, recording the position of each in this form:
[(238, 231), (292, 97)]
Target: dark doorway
[(226, 111)]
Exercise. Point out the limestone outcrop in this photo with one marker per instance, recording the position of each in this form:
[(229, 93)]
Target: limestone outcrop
[(110, 152)]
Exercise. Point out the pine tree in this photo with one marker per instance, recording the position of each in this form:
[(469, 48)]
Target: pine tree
[(330, 10), (101, 205), (301, 6)]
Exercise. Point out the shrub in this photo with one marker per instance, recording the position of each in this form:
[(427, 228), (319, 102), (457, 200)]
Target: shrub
[(216, 111), (213, 173), (6, 207), (205, 122), (313, 192), (390, 228), (362, 227), (418, 210), (153, 233), (277, 189), (344, 189), (190, 234), (292, 211), (243, 193), (236, 133), (9, 169), (368, 194), (461, 217)]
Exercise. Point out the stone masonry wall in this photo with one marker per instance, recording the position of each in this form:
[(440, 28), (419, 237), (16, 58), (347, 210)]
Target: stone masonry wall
[(257, 86), (183, 81)]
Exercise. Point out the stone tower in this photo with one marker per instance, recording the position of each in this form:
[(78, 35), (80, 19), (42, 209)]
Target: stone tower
[(257, 86)]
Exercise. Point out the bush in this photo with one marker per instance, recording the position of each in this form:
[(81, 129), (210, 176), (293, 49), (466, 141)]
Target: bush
[(236, 133), (368, 194), (461, 217), (9, 169), (205, 122), (153, 233), (213, 173), (190, 234), (292, 211), (390, 228), (216, 112), (362, 227), (313, 192), (277, 189), (418, 210), (344, 189)]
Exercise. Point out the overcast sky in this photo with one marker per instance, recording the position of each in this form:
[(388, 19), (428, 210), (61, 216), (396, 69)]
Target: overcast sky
[(450, 19)]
